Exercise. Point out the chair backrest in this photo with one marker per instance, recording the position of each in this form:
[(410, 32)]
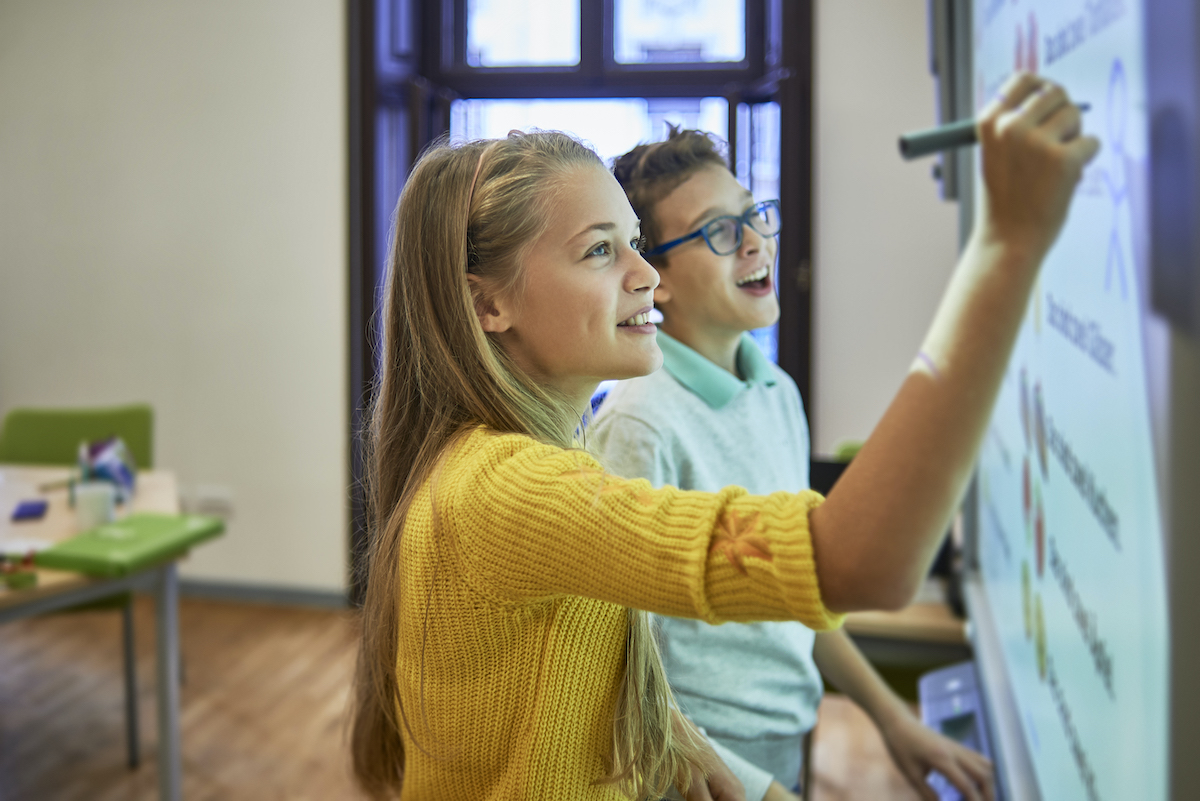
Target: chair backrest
[(52, 436)]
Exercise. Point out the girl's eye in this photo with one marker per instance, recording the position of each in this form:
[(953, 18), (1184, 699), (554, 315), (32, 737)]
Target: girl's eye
[(603, 249), (638, 244)]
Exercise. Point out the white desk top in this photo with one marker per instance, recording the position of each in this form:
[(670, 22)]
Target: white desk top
[(155, 492)]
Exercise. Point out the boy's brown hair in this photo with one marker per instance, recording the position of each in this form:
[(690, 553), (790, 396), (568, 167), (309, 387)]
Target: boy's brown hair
[(650, 172)]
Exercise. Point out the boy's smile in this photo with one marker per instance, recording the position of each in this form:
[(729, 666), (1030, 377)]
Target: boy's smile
[(757, 283)]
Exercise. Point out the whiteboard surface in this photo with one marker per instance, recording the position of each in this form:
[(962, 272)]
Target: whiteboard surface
[(1069, 517)]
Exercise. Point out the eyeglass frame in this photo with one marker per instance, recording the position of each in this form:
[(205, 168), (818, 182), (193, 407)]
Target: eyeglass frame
[(743, 220)]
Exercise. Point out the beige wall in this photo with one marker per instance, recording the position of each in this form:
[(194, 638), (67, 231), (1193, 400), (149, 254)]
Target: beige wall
[(172, 230), (884, 243)]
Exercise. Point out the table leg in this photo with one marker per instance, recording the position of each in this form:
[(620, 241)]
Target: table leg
[(132, 742), (167, 614)]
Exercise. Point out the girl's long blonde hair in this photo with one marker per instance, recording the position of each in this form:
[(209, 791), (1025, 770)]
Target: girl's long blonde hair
[(473, 209)]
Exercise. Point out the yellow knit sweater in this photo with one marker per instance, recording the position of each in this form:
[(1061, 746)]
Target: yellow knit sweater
[(512, 610)]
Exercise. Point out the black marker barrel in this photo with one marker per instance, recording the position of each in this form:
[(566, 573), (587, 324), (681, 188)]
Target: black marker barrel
[(944, 137)]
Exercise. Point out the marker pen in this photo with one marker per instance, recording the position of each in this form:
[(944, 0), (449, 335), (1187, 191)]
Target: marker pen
[(944, 137)]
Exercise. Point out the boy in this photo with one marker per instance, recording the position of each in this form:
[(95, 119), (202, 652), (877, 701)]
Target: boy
[(720, 413)]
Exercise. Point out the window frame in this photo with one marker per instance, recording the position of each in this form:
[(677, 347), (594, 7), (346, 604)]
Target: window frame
[(597, 74)]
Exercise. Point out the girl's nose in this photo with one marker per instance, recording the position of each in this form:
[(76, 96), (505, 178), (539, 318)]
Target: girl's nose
[(641, 276)]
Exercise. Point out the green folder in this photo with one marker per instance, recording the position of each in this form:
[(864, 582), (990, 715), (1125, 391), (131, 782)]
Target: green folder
[(130, 544)]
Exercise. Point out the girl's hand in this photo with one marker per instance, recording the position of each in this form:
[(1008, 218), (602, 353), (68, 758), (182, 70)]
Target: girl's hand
[(1033, 156), (720, 785), (711, 778), (917, 750)]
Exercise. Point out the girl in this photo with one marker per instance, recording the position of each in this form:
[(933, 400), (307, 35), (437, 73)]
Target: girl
[(502, 656)]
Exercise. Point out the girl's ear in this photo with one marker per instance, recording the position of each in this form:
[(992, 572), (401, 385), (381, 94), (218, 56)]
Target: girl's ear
[(494, 317)]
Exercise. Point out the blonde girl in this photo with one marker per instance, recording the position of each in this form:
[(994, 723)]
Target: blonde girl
[(503, 654)]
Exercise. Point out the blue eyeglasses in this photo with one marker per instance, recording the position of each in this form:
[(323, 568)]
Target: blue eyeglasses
[(723, 234)]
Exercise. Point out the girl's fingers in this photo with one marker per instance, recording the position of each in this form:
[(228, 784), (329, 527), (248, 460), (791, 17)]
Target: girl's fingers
[(698, 791), (1040, 105), (1082, 149), (1018, 86), (1065, 124)]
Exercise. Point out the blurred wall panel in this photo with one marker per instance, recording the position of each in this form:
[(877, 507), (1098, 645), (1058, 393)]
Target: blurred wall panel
[(884, 242), (173, 230)]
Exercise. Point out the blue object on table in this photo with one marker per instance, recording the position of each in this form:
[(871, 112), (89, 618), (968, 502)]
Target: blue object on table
[(29, 510)]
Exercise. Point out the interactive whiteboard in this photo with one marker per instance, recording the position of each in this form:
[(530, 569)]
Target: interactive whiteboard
[(1070, 530)]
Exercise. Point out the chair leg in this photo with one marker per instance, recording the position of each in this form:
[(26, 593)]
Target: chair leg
[(806, 767), (131, 704)]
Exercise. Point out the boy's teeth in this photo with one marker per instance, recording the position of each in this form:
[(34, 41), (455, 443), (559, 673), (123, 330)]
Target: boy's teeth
[(757, 275), (637, 319)]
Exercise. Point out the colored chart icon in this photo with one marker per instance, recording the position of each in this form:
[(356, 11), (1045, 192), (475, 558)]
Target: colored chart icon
[(1025, 424), (1039, 424), (1039, 636), (1027, 599)]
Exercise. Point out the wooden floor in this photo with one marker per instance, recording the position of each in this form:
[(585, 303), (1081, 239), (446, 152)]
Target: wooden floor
[(263, 705), (263, 711), (850, 761)]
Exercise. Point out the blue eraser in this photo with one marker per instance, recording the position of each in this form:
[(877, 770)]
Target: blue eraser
[(29, 510)]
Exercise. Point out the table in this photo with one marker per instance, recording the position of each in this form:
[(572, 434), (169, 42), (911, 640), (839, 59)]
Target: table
[(55, 590), (925, 632)]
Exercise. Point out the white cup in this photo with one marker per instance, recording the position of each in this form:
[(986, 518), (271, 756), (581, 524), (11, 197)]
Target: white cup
[(95, 504)]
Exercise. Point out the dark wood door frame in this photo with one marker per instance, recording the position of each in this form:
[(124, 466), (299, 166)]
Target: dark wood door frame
[(795, 97)]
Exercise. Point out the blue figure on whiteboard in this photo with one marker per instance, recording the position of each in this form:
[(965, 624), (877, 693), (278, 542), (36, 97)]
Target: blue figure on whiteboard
[(1116, 179)]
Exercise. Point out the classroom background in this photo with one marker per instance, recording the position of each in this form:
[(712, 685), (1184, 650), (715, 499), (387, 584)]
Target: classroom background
[(193, 198)]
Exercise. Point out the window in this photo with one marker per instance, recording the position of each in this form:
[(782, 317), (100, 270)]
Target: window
[(679, 31), (613, 72), (501, 33), (612, 126)]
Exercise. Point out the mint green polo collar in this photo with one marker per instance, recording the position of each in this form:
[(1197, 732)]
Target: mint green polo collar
[(715, 386)]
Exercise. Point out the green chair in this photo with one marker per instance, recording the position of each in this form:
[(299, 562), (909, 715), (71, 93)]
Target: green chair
[(52, 437)]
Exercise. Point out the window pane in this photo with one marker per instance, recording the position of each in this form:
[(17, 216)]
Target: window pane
[(611, 126), (764, 151), (501, 33), (760, 152), (678, 31)]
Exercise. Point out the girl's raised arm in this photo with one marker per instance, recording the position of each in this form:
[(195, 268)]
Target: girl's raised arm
[(878, 531)]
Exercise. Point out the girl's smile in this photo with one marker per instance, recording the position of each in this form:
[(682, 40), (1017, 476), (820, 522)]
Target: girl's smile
[(638, 323)]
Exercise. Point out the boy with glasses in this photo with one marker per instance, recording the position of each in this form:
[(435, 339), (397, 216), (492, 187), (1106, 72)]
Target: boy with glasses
[(720, 413)]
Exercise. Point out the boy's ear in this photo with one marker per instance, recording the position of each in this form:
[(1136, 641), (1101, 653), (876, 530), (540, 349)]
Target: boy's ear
[(663, 292), (494, 317)]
